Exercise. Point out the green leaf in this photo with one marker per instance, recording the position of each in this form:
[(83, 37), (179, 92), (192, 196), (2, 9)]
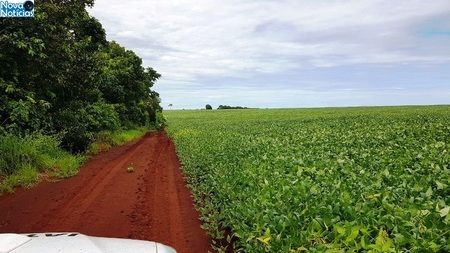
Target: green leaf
[(263, 239), (387, 246), (339, 229), (444, 211), (382, 237), (364, 242), (429, 192), (373, 196), (29, 98), (352, 236), (20, 44), (334, 251), (440, 185), (10, 89)]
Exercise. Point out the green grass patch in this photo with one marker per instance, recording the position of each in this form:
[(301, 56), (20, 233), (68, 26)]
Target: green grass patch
[(26, 177), (22, 160), (107, 139)]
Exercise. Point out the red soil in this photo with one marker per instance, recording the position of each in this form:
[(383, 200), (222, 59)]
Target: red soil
[(151, 203)]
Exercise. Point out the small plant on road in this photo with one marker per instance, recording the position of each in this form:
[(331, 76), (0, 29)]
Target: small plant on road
[(130, 168)]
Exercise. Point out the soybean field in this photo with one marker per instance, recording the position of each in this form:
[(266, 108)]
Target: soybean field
[(363, 179)]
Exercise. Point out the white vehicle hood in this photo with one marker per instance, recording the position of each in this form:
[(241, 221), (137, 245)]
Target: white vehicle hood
[(76, 242)]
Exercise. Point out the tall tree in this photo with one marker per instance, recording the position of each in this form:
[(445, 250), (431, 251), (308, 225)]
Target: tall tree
[(59, 74), (126, 84)]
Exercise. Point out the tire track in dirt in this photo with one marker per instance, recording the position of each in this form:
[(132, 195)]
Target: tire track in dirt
[(78, 204), (152, 203)]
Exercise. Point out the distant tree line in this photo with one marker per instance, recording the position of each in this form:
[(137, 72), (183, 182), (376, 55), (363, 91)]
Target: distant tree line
[(231, 107), (59, 75)]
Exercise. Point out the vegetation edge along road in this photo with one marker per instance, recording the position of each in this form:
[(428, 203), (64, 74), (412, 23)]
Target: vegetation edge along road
[(31, 159), (363, 179)]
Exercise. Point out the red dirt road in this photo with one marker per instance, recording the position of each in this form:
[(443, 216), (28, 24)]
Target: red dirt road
[(152, 203)]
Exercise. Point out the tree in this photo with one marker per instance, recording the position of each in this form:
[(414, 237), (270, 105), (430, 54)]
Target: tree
[(208, 107), (48, 65), (222, 107), (59, 74), (126, 84)]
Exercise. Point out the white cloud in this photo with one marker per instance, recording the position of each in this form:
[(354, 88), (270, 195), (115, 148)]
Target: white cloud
[(191, 41)]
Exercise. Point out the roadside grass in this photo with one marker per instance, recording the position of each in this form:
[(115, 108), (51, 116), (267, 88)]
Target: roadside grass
[(24, 162), (107, 139), (25, 177)]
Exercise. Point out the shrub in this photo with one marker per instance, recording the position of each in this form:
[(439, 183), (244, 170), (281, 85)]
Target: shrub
[(80, 126), (101, 116)]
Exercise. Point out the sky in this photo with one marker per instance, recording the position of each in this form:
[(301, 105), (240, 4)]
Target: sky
[(287, 53)]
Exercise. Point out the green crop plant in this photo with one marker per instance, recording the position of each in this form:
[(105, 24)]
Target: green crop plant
[(319, 180)]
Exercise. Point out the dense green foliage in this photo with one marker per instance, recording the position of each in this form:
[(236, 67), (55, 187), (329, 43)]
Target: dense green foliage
[(59, 75), (320, 180)]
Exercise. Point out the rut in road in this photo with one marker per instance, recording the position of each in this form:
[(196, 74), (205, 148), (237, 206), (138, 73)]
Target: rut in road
[(151, 203)]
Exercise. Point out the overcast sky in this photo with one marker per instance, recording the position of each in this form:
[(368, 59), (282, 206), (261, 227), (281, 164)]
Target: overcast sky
[(288, 53)]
